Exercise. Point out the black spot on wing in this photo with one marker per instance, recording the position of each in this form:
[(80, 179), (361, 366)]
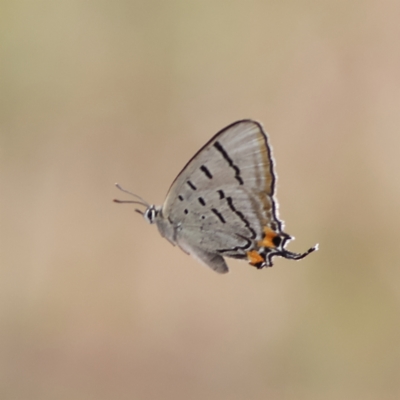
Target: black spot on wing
[(219, 215), (221, 194), (180, 198), (224, 154), (191, 185), (276, 240), (201, 201), (206, 171)]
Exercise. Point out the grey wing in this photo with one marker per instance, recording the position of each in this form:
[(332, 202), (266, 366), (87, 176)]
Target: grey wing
[(223, 198)]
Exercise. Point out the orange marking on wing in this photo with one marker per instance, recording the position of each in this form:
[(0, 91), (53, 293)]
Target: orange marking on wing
[(268, 239), (254, 257)]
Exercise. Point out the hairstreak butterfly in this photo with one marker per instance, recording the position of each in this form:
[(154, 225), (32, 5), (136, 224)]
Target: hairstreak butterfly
[(222, 203)]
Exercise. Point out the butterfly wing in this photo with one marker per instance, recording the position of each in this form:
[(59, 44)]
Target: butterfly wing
[(224, 196)]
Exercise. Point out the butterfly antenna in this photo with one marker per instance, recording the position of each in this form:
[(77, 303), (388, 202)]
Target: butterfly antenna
[(131, 202), (141, 202)]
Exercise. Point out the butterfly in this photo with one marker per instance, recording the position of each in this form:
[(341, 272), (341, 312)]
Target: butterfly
[(222, 204)]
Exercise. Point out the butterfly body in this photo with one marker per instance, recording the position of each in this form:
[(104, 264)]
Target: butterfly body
[(222, 203)]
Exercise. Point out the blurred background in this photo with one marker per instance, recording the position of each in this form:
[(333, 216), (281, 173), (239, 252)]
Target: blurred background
[(94, 304)]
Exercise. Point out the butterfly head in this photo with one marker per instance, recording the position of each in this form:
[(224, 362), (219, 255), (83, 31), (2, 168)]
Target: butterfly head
[(151, 213)]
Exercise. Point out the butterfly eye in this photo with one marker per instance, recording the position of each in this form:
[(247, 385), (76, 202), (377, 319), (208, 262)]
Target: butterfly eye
[(150, 214)]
